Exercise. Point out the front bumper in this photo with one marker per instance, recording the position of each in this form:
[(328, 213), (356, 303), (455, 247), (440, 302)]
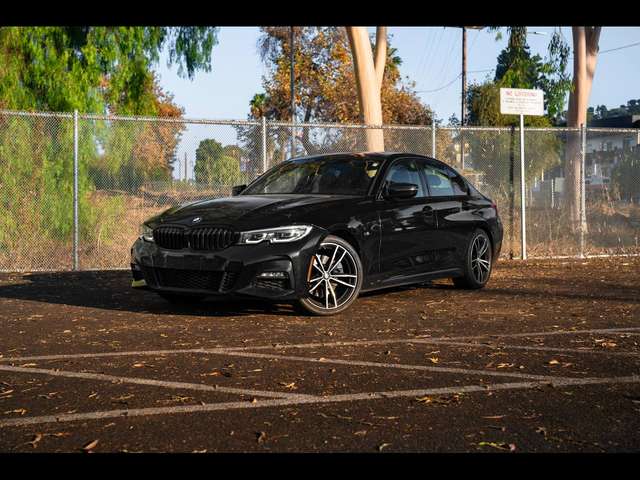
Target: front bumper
[(234, 271)]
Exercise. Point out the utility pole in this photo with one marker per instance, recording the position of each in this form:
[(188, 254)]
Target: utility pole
[(293, 103), (463, 117), (464, 72)]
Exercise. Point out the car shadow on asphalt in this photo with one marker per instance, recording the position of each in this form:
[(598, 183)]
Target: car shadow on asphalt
[(111, 290)]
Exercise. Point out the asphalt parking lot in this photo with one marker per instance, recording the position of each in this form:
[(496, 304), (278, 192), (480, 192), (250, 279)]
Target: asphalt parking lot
[(545, 359)]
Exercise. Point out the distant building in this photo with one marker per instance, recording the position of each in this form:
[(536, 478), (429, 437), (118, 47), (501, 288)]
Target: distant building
[(609, 141)]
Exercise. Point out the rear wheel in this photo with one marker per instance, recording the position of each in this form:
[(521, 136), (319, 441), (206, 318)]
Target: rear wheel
[(478, 262), (336, 278), (178, 298)]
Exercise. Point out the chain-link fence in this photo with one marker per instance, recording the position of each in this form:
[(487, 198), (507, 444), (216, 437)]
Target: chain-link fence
[(75, 188)]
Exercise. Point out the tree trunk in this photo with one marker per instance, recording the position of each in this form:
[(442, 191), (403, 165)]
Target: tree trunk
[(369, 74), (585, 51)]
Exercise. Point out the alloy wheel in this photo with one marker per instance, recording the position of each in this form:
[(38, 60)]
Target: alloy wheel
[(481, 259), (334, 277)]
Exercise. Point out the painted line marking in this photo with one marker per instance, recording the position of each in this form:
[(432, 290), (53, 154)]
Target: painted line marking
[(529, 347), (426, 368), (154, 383), (326, 361), (18, 422), (233, 350)]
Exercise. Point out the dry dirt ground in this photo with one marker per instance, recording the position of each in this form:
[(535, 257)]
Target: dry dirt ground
[(544, 359)]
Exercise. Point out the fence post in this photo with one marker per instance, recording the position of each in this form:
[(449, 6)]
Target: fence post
[(264, 144), (433, 139), (583, 225), (75, 190), (523, 187)]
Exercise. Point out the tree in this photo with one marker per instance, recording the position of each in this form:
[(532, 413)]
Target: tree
[(94, 69), (215, 165), (326, 91), (585, 52), (369, 72), (516, 68)]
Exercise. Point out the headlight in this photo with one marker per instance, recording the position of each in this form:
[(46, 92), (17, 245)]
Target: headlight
[(146, 232), (275, 235)]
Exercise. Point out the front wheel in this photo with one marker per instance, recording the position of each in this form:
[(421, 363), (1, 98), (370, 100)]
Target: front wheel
[(335, 281), (478, 262)]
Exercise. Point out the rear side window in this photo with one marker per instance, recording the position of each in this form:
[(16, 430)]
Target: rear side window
[(438, 181), (459, 185)]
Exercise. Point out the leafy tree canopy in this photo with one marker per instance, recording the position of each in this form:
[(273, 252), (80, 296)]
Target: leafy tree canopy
[(325, 81), (516, 68), (95, 69)]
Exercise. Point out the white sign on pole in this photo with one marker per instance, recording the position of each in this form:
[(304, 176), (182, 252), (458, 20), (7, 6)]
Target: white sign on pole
[(521, 101)]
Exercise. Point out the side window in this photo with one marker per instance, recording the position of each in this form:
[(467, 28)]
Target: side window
[(438, 181), (404, 171), (459, 185)]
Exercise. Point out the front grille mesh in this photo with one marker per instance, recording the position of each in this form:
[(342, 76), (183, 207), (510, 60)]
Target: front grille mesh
[(202, 239), (201, 280), (271, 285)]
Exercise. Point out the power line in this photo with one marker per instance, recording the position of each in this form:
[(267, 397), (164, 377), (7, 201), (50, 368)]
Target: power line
[(619, 48), (441, 88)]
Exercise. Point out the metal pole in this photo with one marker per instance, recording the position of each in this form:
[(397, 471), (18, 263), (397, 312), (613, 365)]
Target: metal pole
[(583, 139), (523, 190), (464, 76), (293, 103), (75, 191), (185, 167), (433, 139), (264, 144)]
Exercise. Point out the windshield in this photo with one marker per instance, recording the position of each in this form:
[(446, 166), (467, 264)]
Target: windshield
[(343, 175)]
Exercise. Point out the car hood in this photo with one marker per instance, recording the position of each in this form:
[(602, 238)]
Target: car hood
[(252, 211)]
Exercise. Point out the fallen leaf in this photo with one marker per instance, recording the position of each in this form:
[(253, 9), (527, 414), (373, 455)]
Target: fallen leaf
[(433, 359), (291, 385), (500, 446), (383, 446), (21, 411), (89, 446)]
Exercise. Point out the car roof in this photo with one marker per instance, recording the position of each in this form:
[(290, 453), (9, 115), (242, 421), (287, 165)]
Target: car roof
[(379, 156)]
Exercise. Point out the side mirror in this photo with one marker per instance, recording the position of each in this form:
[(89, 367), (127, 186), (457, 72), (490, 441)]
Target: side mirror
[(237, 190), (402, 190)]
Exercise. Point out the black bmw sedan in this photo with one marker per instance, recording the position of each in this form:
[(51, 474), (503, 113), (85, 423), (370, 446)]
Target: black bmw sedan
[(317, 231)]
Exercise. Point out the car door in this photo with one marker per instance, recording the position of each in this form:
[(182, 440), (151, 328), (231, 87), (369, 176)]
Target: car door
[(408, 226), (450, 196)]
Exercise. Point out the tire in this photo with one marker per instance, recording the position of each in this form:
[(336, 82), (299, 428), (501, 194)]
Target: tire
[(179, 298), (477, 262), (336, 279)]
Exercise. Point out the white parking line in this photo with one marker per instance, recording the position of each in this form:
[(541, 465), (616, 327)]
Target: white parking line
[(155, 383), (391, 341), (426, 368), (302, 400), (529, 347)]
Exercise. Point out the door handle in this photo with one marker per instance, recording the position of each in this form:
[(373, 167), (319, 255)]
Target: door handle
[(427, 211)]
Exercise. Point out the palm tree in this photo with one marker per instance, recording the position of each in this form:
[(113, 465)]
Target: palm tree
[(260, 105)]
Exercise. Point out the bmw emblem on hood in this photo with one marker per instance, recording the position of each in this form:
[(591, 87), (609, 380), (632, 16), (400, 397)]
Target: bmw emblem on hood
[(197, 220)]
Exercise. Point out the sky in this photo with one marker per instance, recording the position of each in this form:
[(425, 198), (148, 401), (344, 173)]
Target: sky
[(432, 57)]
